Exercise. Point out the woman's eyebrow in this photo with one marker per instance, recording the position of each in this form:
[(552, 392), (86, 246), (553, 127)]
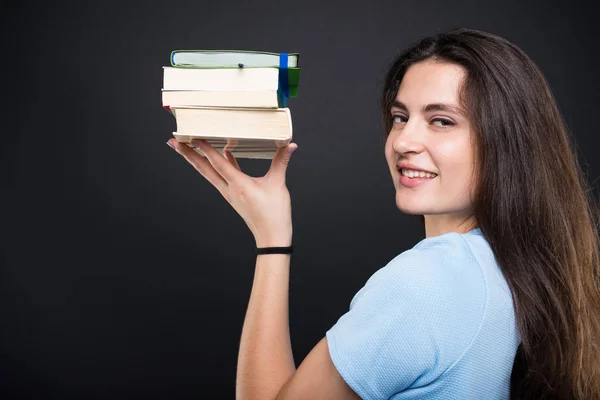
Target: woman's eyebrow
[(400, 105), (432, 107), (444, 107)]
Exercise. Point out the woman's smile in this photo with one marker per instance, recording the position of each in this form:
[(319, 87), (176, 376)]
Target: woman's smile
[(414, 182)]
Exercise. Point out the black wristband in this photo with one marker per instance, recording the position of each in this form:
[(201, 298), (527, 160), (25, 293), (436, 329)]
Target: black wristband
[(275, 250)]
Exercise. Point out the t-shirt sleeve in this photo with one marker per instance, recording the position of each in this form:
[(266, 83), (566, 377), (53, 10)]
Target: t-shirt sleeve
[(410, 322)]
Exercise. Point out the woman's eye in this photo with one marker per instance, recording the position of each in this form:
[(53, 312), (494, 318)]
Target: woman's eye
[(398, 119), (442, 122)]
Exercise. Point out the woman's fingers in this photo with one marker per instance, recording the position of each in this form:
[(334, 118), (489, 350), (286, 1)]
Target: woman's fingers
[(201, 165), (221, 164)]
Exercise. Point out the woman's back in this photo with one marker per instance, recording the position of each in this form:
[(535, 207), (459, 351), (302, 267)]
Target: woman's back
[(437, 322)]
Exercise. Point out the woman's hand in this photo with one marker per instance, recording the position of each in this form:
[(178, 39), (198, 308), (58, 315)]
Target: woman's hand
[(264, 203)]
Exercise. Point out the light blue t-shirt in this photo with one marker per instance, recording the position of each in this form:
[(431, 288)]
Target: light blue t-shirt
[(437, 322)]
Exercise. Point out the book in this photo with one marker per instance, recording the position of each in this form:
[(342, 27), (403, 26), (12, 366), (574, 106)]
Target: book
[(233, 123), (223, 79), (231, 58), (258, 98), (232, 79), (235, 100), (246, 132), (240, 148)]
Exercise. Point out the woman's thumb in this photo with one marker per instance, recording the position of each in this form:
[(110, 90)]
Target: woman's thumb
[(281, 160), (292, 148)]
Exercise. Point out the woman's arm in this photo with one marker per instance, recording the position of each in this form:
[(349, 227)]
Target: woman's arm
[(266, 368), (265, 361)]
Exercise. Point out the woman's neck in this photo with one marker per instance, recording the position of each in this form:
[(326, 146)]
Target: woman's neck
[(439, 224)]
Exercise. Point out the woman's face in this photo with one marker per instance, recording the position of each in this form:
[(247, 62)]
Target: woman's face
[(432, 133)]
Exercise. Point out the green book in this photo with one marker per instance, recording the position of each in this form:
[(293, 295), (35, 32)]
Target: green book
[(230, 59), (208, 59)]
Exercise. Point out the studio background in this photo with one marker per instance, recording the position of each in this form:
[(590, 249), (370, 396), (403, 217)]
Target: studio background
[(123, 272)]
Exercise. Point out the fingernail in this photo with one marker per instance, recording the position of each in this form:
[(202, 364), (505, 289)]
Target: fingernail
[(171, 145)]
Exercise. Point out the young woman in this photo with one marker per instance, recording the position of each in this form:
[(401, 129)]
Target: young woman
[(503, 288)]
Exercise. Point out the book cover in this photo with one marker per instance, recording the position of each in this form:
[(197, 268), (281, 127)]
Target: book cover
[(230, 59)]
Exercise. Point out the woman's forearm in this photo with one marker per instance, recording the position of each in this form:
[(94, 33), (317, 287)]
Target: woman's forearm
[(265, 360)]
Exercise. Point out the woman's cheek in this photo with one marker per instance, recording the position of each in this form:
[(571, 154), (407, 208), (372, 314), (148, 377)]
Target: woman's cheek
[(455, 156)]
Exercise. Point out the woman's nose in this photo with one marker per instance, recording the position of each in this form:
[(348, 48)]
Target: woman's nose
[(409, 139)]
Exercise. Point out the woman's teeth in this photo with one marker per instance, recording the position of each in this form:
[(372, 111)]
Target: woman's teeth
[(417, 174)]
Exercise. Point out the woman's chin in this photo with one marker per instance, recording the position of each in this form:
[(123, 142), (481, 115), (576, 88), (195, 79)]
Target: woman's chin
[(407, 207)]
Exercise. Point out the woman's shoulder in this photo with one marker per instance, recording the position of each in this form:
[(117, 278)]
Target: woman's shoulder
[(445, 264), (453, 279), (450, 247)]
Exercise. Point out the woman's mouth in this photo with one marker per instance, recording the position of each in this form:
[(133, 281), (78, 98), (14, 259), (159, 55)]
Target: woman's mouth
[(410, 173), (411, 178)]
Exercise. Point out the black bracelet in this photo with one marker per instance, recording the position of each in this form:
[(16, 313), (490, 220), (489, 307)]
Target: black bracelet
[(275, 250)]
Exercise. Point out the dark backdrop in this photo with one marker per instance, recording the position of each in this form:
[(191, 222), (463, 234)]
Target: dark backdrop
[(124, 274)]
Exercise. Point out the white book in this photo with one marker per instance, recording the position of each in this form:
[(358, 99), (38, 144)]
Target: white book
[(236, 123), (221, 79), (246, 132), (205, 98)]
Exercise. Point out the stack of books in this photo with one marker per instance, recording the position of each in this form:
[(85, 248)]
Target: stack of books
[(235, 100)]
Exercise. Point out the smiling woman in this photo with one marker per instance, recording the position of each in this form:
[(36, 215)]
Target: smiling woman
[(473, 108), (508, 268), (430, 134)]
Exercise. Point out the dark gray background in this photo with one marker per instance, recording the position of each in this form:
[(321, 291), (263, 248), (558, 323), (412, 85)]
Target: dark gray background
[(123, 272)]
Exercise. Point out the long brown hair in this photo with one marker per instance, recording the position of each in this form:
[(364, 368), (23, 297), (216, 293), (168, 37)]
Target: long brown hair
[(532, 204)]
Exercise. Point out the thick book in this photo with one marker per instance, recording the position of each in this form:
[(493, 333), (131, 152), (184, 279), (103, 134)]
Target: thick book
[(236, 123), (249, 132), (240, 148), (205, 98), (231, 58)]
